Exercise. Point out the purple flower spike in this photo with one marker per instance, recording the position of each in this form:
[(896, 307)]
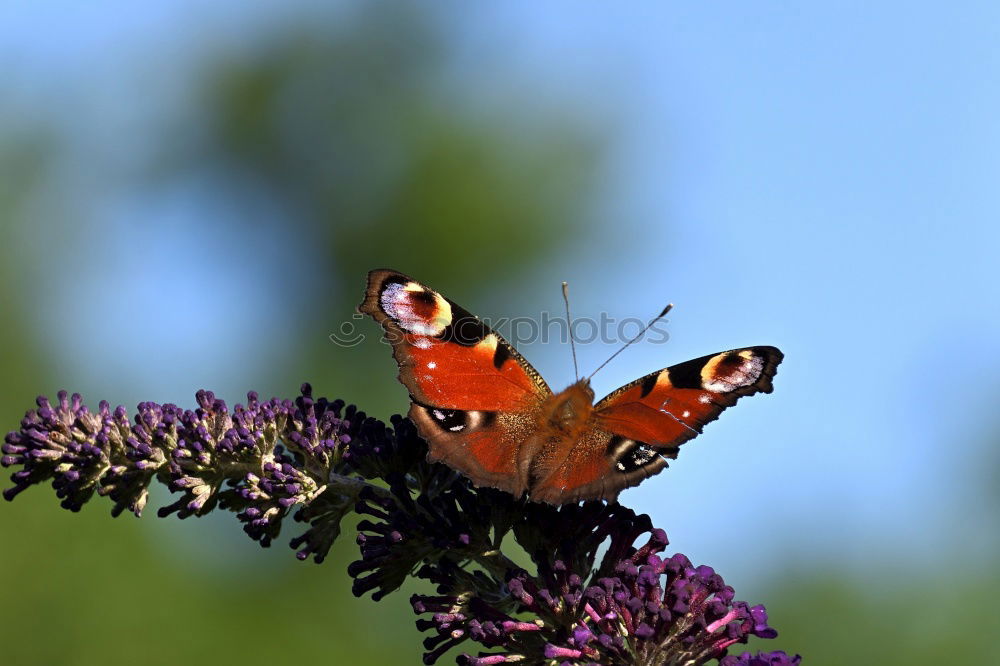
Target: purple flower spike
[(66, 444), (316, 460), (260, 460), (663, 610), (778, 658)]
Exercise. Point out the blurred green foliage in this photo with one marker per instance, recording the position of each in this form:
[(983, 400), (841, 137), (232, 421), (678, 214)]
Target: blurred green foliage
[(899, 617)]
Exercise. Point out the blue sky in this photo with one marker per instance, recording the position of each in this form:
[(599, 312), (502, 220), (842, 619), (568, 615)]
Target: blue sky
[(818, 177), (822, 178)]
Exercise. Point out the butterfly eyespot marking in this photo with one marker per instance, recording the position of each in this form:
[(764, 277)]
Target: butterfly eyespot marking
[(634, 456), (457, 420), (630, 455), (723, 373), (416, 309), (449, 419), (732, 370)]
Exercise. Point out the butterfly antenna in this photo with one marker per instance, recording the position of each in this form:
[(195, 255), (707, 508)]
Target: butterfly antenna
[(638, 335), (569, 327)]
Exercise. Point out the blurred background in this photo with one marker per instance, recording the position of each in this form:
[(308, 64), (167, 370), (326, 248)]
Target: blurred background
[(191, 195)]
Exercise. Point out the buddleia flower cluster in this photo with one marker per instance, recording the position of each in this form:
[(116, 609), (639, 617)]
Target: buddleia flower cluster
[(595, 587)]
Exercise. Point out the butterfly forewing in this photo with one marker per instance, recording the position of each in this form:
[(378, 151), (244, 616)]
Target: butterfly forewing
[(635, 429), (474, 397), (670, 406)]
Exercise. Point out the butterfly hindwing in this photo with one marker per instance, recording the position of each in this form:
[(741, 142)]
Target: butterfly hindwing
[(483, 445), (474, 397), (599, 467), (635, 429)]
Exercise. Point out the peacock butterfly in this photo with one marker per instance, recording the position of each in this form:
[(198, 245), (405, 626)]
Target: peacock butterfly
[(488, 414)]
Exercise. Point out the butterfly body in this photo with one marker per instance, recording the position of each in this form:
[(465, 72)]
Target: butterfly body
[(563, 419), (487, 413)]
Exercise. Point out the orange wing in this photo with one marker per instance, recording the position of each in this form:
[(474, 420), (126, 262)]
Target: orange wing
[(475, 398), (635, 429)]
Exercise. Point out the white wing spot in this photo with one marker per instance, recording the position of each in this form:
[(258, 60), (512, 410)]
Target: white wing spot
[(685, 414), (431, 365), (643, 455)]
